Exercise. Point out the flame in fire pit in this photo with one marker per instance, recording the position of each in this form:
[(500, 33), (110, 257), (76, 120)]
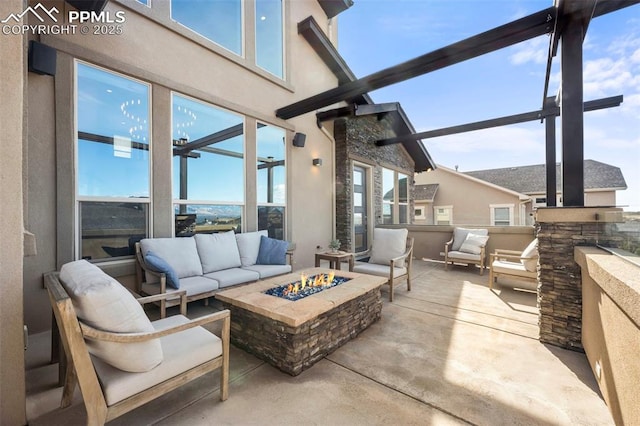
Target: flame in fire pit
[(307, 286)]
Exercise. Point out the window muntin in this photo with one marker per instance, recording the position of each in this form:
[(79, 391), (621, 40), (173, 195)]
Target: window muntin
[(113, 163), (269, 36), (271, 179), (217, 20), (208, 165)]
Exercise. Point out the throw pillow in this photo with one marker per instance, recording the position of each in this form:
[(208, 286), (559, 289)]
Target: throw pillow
[(103, 303), (272, 251), (473, 243), (531, 251), (158, 264), (460, 235), (388, 244)]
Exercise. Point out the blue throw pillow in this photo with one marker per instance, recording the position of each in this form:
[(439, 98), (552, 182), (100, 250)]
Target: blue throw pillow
[(158, 264), (272, 251)]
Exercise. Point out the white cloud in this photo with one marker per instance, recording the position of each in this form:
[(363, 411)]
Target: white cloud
[(491, 141), (534, 50)]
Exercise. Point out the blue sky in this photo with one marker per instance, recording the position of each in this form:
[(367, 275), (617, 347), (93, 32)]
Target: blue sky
[(376, 34)]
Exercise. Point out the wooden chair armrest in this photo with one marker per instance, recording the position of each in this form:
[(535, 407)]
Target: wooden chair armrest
[(504, 251), (289, 256), (507, 257), (163, 296), (106, 336)]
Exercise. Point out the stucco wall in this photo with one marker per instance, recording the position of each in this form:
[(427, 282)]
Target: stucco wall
[(600, 198), (12, 83), (171, 58)]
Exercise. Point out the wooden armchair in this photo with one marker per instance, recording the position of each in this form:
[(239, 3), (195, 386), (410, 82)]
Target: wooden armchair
[(515, 264), (466, 246), (391, 256), (189, 351)]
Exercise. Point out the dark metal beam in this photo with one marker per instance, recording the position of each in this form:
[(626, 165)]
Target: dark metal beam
[(550, 153), (501, 121), (506, 35)]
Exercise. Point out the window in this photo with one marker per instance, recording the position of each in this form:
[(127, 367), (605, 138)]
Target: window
[(395, 197), (388, 197), (403, 198), (113, 164), (501, 214), (217, 20), (443, 215), (269, 36), (208, 167), (419, 213), (271, 176)]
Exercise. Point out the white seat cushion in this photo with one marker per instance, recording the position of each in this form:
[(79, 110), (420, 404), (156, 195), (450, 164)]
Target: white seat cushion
[(218, 251), (181, 253), (233, 276), (183, 350), (388, 244), (512, 268), (376, 269), (103, 303), (193, 285), (463, 256), (267, 271), (249, 246), (531, 251)]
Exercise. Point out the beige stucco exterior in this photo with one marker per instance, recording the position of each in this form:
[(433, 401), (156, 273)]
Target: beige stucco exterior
[(471, 200)]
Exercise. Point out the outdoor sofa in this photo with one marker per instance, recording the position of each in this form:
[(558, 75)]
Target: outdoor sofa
[(206, 263)]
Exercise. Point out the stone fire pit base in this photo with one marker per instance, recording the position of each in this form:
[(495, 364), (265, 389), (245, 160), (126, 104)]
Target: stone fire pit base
[(292, 347)]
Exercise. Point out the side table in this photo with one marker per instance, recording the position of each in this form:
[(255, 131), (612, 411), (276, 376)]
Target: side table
[(335, 259)]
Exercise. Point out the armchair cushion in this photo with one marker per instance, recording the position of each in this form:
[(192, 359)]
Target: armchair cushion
[(388, 244), (531, 252), (249, 246), (473, 243), (103, 303), (183, 350), (376, 269), (158, 264), (460, 235), (218, 251), (272, 251)]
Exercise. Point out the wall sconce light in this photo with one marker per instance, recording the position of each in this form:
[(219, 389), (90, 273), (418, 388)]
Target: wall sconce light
[(317, 162)]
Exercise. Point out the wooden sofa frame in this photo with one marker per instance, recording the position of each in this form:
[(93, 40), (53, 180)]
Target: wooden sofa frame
[(79, 367)]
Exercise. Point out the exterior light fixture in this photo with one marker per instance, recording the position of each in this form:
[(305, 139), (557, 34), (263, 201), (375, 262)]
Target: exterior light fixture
[(317, 162)]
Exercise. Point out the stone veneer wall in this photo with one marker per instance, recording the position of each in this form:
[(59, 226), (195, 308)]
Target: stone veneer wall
[(559, 230), (355, 140)]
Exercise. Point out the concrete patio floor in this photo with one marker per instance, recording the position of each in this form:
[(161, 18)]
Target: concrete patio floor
[(449, 352)]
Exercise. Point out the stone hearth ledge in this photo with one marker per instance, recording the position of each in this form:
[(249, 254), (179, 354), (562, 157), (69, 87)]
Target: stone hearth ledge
[(294, 313)]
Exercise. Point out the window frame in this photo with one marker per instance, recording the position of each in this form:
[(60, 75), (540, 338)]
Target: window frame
[(511, 209)]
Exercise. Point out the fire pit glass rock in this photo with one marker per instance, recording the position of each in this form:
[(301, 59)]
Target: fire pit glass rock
[(306, 286)]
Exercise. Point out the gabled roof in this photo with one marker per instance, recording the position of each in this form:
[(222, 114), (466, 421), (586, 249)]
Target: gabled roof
[(532, 179), (426, 192)]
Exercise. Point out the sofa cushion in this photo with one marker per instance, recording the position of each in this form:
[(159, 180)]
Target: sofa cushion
[(473, 243), (388, 244), (267, 271), (272, 251), (249, 246), (103, 303), (218, 251), (531, 251), (460, 235), (183, 350), (181, 253), (158, 264), (228, 277), (192, 285)]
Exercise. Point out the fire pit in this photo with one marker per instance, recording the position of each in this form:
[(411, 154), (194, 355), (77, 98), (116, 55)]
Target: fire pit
[(292, 335), (306, 286)]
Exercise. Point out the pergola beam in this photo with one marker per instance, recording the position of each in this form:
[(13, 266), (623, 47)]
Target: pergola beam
[(501, 121), (531, 26)]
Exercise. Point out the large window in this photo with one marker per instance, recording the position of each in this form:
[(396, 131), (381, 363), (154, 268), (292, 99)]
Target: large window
[(272, 178), (208, 167), (395, 197), (269, 36), (218, 20), (113, 168), (388, 195), (403, 198)]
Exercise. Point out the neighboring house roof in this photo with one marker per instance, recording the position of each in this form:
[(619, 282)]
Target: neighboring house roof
[(426, 192), (532, 179), (522, 196)]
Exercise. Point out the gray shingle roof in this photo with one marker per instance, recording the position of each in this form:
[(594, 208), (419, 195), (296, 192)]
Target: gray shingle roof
[(531, 179), (426, 192)]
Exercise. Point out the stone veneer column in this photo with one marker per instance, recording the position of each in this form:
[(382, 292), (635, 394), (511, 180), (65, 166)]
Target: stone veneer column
[(558, 231)]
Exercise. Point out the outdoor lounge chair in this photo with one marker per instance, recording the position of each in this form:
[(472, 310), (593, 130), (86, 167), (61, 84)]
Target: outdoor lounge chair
[(466, 246), (390, 256), (122, 369), (515, 264)]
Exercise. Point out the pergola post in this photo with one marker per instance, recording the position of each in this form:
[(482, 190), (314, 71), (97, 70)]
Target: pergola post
[(550, 150), (572, 113)]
